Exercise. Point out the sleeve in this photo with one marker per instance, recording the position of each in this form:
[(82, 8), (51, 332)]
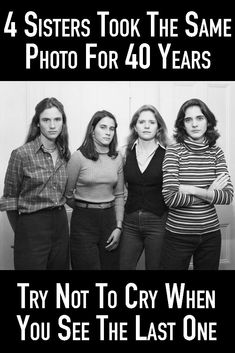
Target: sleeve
[(224, 196), (119, 192), (73, 168), (122, 152), (12, 183), (172, 196)]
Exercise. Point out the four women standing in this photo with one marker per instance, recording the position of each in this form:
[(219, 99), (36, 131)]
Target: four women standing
[(190, 178)]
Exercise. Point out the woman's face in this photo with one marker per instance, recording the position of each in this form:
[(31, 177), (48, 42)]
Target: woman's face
[(195, 123), (104, 131), (50, 123), (146, 125)]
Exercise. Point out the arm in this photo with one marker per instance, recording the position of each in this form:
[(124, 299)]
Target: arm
[(12, 188), (73, 169), (223, 195), (171, 184), (123, 155), (221, 189), (114, 238)]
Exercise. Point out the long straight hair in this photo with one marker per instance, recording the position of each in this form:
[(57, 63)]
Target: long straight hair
[(88, 147), (34, 129), (161, 134)]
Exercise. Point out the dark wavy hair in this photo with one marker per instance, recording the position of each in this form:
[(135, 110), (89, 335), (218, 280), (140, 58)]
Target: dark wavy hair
[(211, 133), (34, 129), (87, 148), (161, 134)]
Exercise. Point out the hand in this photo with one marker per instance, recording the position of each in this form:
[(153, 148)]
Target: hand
[(220, 182), (113, 240)]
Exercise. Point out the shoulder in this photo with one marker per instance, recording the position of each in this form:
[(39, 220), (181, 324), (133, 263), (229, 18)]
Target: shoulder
[(77, 155), (118, 160), (76, 159), (174, 148), (217, 150), (22, 151), (161, 149)]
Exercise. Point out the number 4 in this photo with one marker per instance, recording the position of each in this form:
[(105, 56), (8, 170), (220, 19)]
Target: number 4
[(10, 27)]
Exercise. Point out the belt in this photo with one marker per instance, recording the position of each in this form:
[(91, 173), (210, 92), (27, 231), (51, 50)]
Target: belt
[(94, 205)]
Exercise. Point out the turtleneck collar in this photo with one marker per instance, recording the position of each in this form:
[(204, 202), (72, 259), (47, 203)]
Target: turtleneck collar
[(198, 147)]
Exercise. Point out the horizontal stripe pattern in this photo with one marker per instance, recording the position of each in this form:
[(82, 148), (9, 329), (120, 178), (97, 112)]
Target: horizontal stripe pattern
[(199, 165)]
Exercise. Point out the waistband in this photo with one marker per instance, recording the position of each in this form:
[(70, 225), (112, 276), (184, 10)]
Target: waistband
[(47, 209), (102, 205)]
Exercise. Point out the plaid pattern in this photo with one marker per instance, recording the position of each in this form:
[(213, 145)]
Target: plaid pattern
[(32, 182)]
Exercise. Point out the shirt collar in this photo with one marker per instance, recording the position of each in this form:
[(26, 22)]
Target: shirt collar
[(137, 142), (37, 144)]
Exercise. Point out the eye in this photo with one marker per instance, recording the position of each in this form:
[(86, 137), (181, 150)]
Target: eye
[(187, 119)]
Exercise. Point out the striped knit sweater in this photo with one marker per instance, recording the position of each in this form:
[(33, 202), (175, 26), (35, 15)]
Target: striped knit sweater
[(195, 164)]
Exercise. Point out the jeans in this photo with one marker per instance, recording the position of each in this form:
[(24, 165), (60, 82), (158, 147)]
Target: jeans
[(179, 248), (42, 240), (90, 229), (142, 230)]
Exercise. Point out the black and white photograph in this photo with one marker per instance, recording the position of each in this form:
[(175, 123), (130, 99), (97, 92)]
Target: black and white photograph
[(123, 99), (117, 175)]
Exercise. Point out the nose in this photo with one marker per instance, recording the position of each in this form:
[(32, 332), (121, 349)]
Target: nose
[(52, 124), (146, 125), (194, 123)]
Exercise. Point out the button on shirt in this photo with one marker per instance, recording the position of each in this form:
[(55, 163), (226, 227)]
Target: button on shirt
[(32, 182)]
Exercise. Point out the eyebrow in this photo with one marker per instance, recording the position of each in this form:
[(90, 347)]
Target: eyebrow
[(197, 116), (107, 125)]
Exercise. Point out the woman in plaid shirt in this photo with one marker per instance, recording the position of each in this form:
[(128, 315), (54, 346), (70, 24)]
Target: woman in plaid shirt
[(34, 191)]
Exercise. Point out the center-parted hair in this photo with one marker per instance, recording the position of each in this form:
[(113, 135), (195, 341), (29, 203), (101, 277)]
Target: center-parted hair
[(161, 135), (34, 129), (87, 148), (211, 133)]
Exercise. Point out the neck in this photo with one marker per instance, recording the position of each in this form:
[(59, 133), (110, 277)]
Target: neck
[(100, 148), (147, 145), (50, 144)]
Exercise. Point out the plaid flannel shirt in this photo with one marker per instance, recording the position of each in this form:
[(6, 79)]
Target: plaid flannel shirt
[(32, 182)]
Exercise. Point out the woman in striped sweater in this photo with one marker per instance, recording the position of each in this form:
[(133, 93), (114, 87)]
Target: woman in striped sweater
[(195, 178)]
